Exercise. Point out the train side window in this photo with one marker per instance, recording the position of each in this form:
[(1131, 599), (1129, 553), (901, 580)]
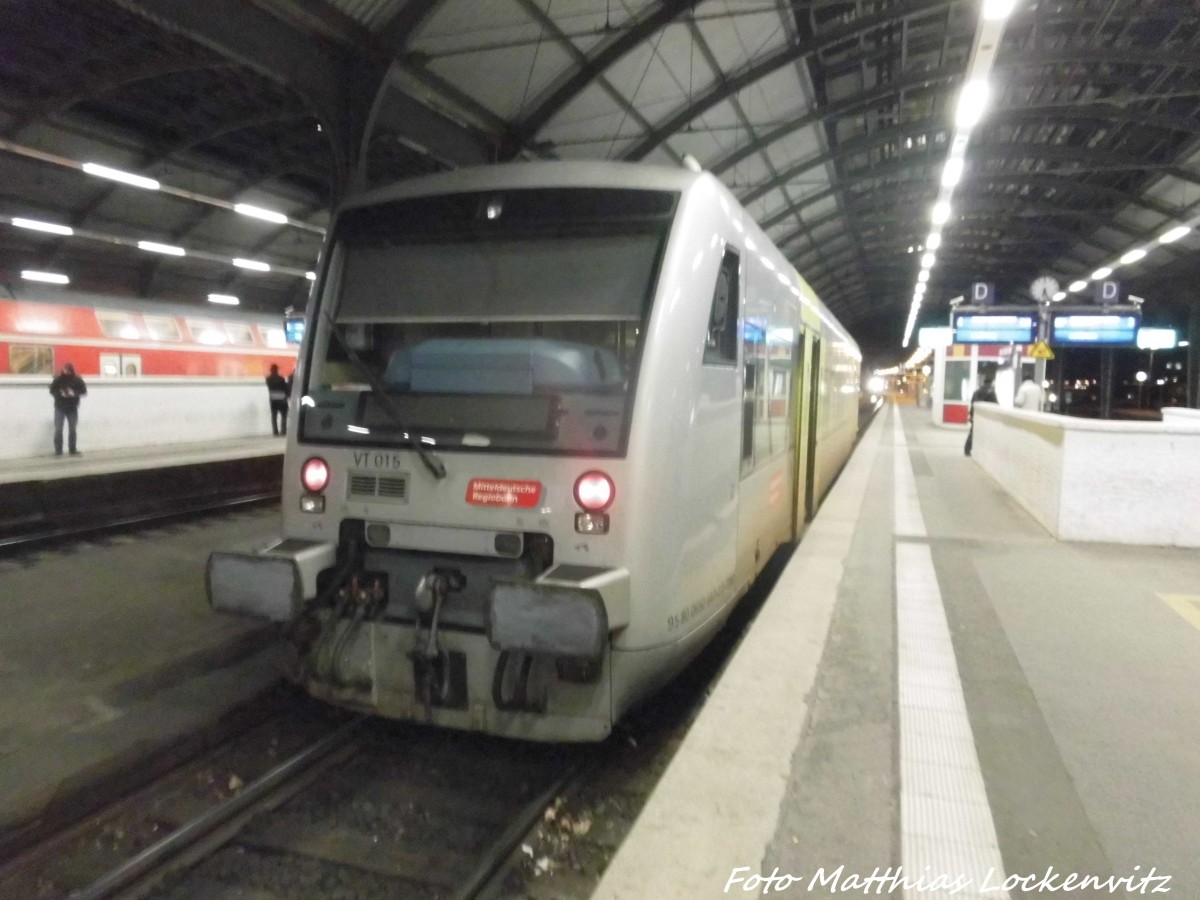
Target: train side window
[(24, 359), (239, 333), (162, 328), (720, 343), (273, 337), (206, 331), (755, 436), (115, 324)]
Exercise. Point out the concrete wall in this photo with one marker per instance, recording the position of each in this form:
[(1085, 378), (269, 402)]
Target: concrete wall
[(127, 412), (1092, 480)]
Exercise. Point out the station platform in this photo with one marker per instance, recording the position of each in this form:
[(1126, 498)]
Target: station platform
[(45, 497), (941, 700), (131, 459)]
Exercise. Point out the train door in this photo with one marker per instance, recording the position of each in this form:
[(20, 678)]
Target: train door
[(810, 462), (120, 365), (801, 437)]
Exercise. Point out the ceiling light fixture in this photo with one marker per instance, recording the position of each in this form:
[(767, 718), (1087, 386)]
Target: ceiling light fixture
[(997, 9), (941, 213), (1133, 256), (1101, 273), (1174, 234), (952, 173), (155, 247), (48, 277), (117, 175), (257, 212), (971, 103), (225, 299), (252, 264), (38, 225)]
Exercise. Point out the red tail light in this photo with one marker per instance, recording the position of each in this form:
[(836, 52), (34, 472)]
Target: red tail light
[(314, 475), (594, 491)]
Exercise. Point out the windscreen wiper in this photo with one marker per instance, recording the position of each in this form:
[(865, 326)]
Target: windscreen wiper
[(432, 463)]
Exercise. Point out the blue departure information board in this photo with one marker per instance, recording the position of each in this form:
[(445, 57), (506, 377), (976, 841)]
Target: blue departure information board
[(1094, 328), (995, 328), (293, 329)]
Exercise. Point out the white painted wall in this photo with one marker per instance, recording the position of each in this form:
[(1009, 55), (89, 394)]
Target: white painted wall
[(1096, 480), (125, 412)]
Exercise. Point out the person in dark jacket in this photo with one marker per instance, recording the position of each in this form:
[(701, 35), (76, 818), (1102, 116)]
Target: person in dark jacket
[(66, 388), (278, 390), (985, 393)]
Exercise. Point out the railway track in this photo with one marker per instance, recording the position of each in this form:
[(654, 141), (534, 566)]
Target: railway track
[(364, 808), (17, 543)]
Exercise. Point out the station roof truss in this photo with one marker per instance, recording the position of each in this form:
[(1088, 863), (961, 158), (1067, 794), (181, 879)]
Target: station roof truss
[(829, 119)]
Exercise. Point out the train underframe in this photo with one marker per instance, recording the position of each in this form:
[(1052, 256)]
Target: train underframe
[(509, 644)]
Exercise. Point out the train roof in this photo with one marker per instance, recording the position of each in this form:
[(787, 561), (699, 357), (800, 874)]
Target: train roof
[(539, 174)]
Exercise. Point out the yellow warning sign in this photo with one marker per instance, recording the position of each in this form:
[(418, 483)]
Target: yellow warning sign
[(1041, 350)]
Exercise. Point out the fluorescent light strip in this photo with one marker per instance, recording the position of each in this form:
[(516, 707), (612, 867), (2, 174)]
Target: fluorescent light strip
[(38, 225), (952, 174), (253, 264), (48, 277), (257, 212), (224, 299), (1174, 234), (1133, 256), (971, 103), (117, 175), (994, 10), (1101, 273), (155, 247)]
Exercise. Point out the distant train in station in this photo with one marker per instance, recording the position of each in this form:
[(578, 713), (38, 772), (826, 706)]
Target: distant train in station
[(553, 419), (115, 337)]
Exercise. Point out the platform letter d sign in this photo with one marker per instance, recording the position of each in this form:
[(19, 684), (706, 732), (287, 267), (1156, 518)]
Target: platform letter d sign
[(983, 294), (1108, 292)]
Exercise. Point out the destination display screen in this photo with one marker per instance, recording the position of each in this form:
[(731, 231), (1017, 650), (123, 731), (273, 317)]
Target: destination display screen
[(293, 329), (1095, 328), (995, 328)]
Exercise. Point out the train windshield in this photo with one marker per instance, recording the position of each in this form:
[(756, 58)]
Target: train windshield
[(508, 320)]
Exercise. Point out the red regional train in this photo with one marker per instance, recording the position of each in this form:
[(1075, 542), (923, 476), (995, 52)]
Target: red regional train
[(121, 337)]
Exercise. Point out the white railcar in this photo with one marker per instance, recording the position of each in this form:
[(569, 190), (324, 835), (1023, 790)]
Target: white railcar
[(554, 419)]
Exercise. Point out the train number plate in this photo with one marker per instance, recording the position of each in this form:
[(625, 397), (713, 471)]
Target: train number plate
[(504, 492), (379, 459)]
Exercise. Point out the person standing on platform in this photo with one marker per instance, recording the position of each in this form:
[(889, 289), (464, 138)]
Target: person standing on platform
[(66, 388), (985, 393), (277, 393), (1029, 396)]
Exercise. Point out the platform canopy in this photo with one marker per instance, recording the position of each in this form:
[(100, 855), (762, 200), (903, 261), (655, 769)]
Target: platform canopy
[(830, 119)]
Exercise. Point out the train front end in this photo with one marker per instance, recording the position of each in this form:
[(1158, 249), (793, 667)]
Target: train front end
[(454, 522)]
